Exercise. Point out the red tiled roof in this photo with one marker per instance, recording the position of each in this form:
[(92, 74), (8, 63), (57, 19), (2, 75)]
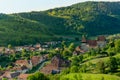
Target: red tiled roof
[(9, 74), (23, 76), (78, 48), (37, 45), (35, 60), (56, 63), (48, 69), (21, 62), (32, 48), (20, 68), (92, 43)]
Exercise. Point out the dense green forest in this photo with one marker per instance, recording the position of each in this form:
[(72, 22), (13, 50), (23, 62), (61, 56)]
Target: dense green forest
[(90, 18), (20, 31)]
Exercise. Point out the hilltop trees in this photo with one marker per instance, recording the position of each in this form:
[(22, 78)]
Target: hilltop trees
[(75, 20), (113, 65)]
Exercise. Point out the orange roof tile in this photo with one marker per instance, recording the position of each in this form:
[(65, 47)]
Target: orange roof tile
[(23, 76), (35, 60), (22, 62), (92, 43)]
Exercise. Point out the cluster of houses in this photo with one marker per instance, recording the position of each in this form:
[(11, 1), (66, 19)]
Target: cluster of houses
[(56, 65), (86, 44), (16, 49), (21, 67), (36, 47), (57, 62)]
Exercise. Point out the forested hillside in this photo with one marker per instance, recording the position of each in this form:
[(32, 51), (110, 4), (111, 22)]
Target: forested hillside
[(19, 31), (90, 18)]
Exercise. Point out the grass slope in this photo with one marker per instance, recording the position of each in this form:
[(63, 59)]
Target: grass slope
[(85, 76), (96, 60)]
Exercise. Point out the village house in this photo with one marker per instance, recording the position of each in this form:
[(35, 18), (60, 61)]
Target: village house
[(23, 76), (36, 60), (78, 51), (37, 46), (10, 75), (32, 49), (48, 69), (19, 48), (8, 51), (26, 63), (101, 41), (27, 48), (21, 69), (41, 49), (1, 49), (57, 63), (88, 44)]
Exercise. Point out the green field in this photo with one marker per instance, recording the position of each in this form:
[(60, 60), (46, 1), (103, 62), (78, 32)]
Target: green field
[(85, 76), (105, 59)]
